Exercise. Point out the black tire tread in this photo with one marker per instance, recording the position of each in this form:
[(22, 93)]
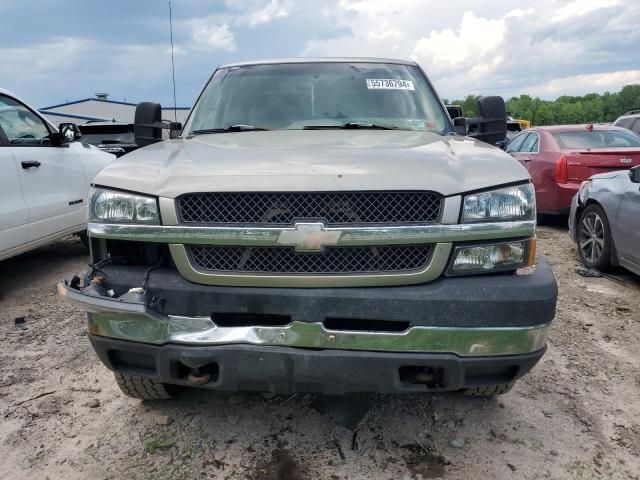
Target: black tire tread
[(488, 390), (142, 388), (84, 238)]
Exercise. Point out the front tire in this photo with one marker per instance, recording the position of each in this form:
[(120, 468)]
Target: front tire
[(594, 238), (84, 238), (144, 388)]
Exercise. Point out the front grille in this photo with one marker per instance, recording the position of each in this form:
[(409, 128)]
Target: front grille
[(333, 260), (335, 208)]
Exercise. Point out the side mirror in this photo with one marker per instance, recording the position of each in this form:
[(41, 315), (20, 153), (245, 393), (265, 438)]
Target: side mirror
[(634, 174), (69, 131), (460, 125), (491, 125), (146, 127), (502, 144), (454, 111), (148, 124)]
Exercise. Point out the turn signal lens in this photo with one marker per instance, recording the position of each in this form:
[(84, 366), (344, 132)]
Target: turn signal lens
[(497, 257)]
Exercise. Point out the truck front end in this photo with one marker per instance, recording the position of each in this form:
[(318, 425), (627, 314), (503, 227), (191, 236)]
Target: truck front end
[(338, 259)]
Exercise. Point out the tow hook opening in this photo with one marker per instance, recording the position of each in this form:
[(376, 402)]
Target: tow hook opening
[(430, 377), (365, 325), (199, 375), (250, 320)]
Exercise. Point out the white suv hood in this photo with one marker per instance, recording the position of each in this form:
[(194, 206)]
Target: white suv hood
[(320, 160)]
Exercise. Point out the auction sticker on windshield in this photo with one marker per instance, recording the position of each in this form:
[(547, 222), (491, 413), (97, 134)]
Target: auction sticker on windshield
[(389, 84)]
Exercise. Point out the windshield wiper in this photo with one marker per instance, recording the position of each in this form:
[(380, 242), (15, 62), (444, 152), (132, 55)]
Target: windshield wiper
[(350, 125), (230, 128)]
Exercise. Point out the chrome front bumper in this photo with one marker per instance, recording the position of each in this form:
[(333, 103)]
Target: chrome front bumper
[(137, 322)]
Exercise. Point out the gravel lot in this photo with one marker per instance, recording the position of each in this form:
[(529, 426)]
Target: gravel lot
[(576, 416)]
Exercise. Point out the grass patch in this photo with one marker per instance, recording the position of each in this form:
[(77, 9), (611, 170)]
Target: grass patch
[(155, 444)]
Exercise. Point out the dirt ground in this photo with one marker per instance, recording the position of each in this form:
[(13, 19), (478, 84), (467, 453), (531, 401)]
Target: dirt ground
[(576, 416)]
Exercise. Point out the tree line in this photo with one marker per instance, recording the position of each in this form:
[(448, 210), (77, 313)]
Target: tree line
[(590, 108)]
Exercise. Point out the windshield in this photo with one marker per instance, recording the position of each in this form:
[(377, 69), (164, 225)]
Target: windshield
[(304, 95), (597, 139)]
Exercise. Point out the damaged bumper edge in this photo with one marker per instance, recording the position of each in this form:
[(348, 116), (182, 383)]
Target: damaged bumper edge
[(137, 322)]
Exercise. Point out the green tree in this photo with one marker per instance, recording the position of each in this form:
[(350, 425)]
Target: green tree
[(544, 114), (470, 105), (567, 109), (629, 98)]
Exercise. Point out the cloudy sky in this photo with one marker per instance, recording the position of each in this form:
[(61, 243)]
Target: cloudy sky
[(51, 52)]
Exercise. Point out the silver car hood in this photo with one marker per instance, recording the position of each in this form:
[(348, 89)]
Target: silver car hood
[(297, 160)]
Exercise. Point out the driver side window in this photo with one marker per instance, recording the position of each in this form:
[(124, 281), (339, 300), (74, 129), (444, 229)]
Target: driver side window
[(21, 125)]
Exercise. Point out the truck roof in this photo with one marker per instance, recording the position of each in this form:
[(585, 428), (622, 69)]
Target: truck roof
[(320, 60)]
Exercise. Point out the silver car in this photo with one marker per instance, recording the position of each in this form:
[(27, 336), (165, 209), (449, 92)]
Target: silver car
[(605, 220)]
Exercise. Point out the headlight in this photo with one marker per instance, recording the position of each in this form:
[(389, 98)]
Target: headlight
[(506, 204), (118, 207), (495, 257)]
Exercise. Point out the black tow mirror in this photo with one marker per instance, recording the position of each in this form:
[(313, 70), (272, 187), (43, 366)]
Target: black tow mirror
[(148, 124), (460, 125), (634, 174), (491, 125)]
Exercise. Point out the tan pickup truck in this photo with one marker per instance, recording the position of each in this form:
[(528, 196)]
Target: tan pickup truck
[(319, 225)]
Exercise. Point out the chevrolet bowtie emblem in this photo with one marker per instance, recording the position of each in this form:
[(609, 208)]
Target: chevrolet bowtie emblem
[(309, 237), (625, 160)]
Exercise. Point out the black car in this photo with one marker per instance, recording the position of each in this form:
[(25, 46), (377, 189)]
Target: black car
[(112, 137)]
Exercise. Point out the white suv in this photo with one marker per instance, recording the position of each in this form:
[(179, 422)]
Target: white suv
[(44, 178)]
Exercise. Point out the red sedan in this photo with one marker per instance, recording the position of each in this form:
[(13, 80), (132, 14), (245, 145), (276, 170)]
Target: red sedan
[(560, 158)]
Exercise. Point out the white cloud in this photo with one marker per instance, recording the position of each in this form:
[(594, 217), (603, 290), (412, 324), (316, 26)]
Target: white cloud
[(465, 46), (273, 10), (578, 8), (211, 36), (610, 81), (491, 48), (61, 54), (68, 66), (477, 38), (253, 13)]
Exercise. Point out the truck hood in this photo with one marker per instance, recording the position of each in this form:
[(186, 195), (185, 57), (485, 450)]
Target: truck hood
[(320, 160)]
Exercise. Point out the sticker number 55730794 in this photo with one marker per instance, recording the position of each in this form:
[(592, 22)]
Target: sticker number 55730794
[(389, 84)]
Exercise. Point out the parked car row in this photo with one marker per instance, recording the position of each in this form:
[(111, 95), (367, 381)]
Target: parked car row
[(560, 158), (592, 174)]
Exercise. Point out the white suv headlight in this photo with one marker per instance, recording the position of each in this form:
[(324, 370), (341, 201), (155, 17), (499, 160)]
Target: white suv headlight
[(111, 206), (507, 204)]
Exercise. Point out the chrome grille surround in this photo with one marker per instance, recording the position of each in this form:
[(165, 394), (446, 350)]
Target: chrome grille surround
[(333, 208), (440, 237)]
